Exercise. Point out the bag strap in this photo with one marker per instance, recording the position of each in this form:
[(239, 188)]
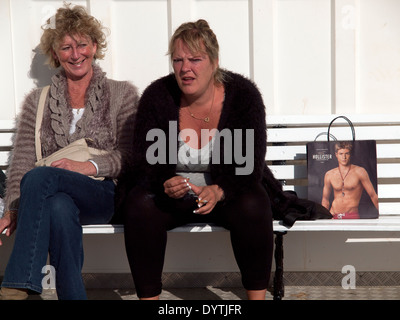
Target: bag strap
[(349, 122), (39, 117), (324, 134)]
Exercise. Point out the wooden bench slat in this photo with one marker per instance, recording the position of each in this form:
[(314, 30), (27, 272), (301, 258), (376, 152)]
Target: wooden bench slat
[(381, 133), (384, 170), (299, 152), (3, 158), (389, 209), (389, 191), (284, 172), (7, 125), (117, 228), (384, 223), (6, 139), (324, 120)]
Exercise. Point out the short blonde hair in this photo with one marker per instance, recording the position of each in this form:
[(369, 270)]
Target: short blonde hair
[(71, 21), (343, 145), (194, 35)]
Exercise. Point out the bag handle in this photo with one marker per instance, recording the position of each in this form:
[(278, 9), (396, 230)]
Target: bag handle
[(350, 124), (325, 134), (39, 117)]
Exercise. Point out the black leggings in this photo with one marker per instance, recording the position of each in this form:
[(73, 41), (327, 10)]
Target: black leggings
[(147, 219)]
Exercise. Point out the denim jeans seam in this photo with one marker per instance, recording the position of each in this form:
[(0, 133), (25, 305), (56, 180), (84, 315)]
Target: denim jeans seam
[(36, 234)]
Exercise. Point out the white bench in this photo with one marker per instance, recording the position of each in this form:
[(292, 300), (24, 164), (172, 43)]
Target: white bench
[(287, 158)]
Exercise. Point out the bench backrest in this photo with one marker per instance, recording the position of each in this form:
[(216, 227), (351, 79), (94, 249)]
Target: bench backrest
[(6, 134), (287, 156)]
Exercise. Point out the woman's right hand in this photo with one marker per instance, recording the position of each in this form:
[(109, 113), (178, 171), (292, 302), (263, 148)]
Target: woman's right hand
[(84, 167), (176, 187), (9, 222)]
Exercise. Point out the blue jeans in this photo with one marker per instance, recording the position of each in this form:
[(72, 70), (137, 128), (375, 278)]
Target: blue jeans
[(54, 204)]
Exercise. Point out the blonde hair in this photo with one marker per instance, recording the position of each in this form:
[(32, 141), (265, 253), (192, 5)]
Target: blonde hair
[(343, 145), (71, 21), (194, 35)]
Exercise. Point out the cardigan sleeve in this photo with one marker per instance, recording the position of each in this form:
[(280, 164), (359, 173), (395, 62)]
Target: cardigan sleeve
[(23, 154), (124, 101)]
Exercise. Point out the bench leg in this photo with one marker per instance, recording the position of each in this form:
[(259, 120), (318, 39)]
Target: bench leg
[(279, 290)]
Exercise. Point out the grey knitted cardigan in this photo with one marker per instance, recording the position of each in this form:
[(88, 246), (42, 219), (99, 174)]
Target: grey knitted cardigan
[(110, 107)]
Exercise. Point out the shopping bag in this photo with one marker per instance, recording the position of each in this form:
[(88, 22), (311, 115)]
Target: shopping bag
[(342, 175)]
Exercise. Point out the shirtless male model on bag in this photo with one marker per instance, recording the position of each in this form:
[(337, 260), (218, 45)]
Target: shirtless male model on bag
[(348, 182)]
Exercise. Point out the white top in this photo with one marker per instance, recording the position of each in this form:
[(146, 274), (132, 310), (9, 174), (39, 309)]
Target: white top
[(77, 115), (195, 163)]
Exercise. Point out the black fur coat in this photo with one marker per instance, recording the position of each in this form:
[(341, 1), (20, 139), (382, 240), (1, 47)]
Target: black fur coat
[(243, 108)]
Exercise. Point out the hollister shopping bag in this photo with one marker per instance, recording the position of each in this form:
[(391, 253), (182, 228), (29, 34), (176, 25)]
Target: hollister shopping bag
[(342, 176)]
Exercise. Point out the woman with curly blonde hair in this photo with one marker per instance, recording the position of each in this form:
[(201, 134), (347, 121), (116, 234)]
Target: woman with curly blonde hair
[(72, 22), (48, 205)]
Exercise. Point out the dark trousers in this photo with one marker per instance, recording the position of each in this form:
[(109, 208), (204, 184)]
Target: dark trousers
[(147, 219)]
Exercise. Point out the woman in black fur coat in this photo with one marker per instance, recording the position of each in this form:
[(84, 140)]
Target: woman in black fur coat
[(199, 155)]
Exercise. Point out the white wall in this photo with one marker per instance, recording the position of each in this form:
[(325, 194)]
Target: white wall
[(307, 57)]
